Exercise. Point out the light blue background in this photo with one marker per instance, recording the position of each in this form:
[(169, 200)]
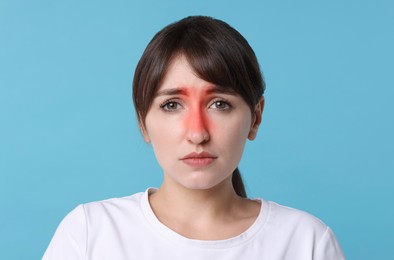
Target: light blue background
[(68, 132)]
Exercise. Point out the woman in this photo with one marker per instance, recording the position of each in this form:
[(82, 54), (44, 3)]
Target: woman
[(198, 93)]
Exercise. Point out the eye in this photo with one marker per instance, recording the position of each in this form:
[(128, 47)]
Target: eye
[(221, 105), (170, 106)]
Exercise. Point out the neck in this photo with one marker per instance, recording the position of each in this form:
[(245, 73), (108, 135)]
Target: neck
[(214, 201), (216, 213)]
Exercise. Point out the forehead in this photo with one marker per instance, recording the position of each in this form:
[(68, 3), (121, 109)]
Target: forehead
[(180, 73), (181, 77)]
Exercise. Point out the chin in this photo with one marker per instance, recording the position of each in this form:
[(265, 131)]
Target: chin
[(203, 182)]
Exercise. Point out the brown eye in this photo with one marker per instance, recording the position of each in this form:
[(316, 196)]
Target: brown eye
[(221, 105), (170, 106)]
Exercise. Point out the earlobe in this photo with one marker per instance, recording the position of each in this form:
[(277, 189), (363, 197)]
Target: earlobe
[(257, 117), (145, 134), (147, 139)]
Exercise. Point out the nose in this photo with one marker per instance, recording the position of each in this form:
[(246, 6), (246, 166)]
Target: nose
[(197, 127)]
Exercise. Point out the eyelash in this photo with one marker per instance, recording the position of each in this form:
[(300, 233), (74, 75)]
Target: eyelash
[(165, 104), (225, 102)]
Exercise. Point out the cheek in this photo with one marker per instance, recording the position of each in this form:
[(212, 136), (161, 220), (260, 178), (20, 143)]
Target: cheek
[(163, 141), (162, 133), (235, 134), (236, 127)]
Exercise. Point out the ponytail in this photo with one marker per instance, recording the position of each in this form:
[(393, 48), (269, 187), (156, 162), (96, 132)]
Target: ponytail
[(238, 184)]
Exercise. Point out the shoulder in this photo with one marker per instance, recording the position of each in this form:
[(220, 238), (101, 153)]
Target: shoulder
[(94, 214), (113, 211), (114, 205), (303, 230), (91, 221), (96, 209), (291, 217)]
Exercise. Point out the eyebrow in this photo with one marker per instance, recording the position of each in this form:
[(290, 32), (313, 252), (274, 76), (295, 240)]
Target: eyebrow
[(183, 91)]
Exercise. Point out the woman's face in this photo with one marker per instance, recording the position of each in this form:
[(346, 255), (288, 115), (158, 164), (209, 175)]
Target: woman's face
[(198, 130)]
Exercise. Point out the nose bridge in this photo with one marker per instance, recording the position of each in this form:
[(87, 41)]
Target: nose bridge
[(197, 124), (197, 119)]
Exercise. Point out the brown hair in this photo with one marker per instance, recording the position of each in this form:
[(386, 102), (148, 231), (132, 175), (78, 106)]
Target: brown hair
[(218, 54)]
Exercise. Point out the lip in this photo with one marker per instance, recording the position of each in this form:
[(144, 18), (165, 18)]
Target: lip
[(202, 159)]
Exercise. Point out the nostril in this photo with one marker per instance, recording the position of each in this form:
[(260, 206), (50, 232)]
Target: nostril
[(197, 135), (198, 139)]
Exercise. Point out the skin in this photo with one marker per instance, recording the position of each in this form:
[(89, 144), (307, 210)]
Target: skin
[(191, 116)]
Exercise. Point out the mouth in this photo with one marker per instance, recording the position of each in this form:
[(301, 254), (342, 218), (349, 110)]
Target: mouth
[(202, 159)]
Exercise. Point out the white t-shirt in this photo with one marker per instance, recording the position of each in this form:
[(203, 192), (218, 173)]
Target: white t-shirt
[(126, 228)]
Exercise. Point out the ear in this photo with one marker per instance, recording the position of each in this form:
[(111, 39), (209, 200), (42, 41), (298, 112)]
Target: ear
[(144, 133), (256, 120)]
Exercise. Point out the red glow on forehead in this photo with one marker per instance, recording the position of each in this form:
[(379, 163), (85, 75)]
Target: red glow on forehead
[(188, 91)]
